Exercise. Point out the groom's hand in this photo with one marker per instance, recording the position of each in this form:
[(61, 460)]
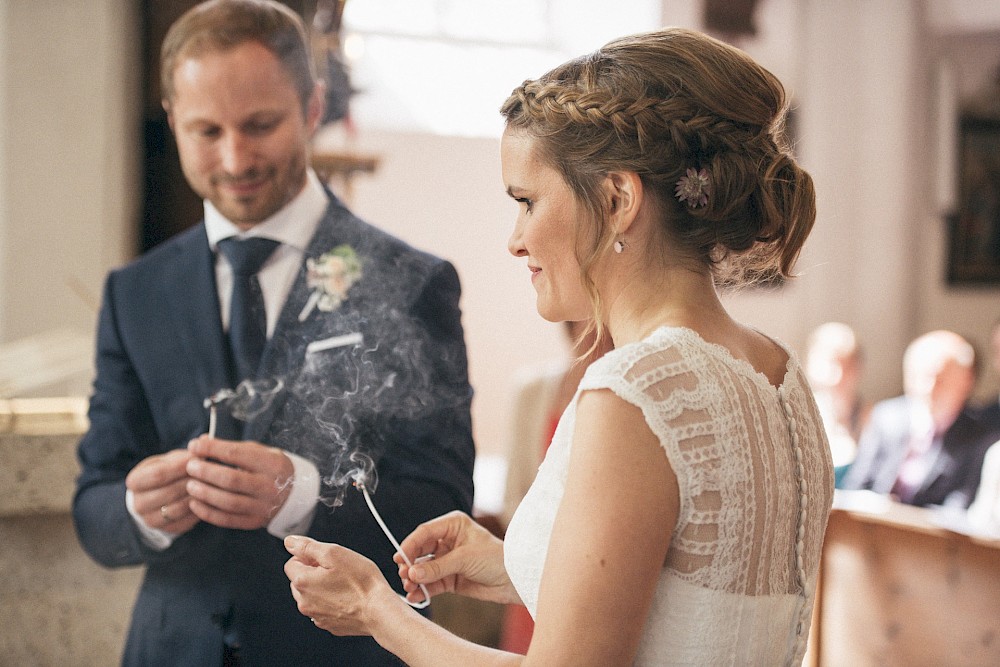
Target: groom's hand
[(159, 491), (237, 484)]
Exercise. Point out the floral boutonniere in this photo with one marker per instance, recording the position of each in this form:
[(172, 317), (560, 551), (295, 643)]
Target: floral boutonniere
[(330, 277)]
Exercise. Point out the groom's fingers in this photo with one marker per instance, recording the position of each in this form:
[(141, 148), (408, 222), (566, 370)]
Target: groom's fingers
[(158, 471)]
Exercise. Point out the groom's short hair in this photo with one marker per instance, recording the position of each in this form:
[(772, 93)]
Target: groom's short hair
[(220, 25)]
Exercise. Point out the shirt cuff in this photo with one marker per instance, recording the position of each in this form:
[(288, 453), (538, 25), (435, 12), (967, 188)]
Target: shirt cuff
[(154, 538), (297, 513)]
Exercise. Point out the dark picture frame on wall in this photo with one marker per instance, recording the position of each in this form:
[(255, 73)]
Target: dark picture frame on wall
[(974, 229)]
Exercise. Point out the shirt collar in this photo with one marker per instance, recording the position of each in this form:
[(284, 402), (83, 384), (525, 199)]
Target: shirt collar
[(293, 225)]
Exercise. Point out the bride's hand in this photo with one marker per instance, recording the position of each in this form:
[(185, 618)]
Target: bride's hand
[(467, 560)]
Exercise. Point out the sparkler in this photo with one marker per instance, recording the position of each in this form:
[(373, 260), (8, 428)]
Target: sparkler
[(359, 475), (249, 399), (212, 404), (359, 482)]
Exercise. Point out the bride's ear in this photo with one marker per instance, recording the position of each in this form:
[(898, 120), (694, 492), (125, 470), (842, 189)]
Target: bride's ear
[(624, 193)]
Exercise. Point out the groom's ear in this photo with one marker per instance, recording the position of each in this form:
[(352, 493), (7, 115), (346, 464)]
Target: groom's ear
[(315, 107), (170, 115)]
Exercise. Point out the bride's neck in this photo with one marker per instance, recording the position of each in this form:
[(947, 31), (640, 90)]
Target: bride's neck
[(679, 298)]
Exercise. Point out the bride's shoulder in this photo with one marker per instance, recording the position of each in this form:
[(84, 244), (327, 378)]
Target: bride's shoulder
[(665, 346), (669, 355)]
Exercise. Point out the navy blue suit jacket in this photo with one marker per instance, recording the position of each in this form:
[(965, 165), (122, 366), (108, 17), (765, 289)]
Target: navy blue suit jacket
[(402, 397), (954, 475)]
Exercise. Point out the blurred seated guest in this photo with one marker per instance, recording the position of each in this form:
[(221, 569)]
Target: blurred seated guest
[(985, 509), (925, 447), (833, 367), (989, 413)]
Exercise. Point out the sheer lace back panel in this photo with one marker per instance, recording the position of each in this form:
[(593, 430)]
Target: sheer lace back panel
[(726, 433), (755, 481)]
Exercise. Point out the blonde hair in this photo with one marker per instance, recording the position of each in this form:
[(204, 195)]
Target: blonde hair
[(831, 347), (657, 104), (927, 353)]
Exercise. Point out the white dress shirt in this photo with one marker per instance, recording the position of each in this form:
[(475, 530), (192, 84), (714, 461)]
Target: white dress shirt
[(293, 226)]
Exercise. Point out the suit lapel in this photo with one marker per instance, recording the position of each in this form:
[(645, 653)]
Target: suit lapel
[(955, 444), (284, 354)]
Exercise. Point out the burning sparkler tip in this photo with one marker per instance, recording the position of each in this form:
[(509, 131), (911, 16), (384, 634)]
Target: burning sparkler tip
[(219, 397)]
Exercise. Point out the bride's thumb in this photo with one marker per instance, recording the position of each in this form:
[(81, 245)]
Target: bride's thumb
[(436, 569)]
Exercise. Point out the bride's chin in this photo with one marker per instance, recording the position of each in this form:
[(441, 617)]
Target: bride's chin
[(557, 315), (546, 312)]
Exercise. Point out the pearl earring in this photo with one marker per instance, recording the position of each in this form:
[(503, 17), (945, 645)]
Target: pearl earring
[(620, 245)]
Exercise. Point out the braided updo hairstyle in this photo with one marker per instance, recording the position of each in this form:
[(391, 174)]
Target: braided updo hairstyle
[(662, 102)]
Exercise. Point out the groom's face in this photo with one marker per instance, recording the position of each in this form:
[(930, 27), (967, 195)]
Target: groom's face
[(241, 130)]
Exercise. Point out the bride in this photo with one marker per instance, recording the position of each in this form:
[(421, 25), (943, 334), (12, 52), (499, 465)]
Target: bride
[(679, 513)]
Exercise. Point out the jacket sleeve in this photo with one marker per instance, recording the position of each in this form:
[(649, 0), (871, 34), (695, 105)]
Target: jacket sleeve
[(861, 474), (121, 433)]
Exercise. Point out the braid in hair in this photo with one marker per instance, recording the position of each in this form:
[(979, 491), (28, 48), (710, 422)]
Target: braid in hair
[(658, 104)]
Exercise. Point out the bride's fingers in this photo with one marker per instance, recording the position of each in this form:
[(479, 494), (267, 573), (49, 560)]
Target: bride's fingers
[(427, 553), (430, 570), (415, 592), (416, 551), (430, 536), (404, 572)]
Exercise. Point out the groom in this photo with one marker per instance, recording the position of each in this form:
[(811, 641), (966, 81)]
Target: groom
[(334, 350)]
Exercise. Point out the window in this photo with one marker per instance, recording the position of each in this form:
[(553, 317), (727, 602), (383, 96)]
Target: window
[(446, 66)]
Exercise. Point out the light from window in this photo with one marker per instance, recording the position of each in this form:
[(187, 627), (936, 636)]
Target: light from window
[(446, 66)]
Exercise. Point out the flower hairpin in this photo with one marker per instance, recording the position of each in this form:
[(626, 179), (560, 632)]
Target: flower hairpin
[(693, 188), (330, 277)]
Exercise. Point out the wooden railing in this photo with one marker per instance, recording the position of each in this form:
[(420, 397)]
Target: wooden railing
[(902, 585)]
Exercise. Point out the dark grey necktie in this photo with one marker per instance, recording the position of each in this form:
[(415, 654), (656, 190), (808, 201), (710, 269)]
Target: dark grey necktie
[(247, 317)]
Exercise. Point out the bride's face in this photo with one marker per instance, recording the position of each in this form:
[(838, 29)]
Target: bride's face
[(546, 229)]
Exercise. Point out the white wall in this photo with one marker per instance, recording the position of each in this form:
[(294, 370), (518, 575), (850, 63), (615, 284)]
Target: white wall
[(68, 156), (858, 126), (957, 68), (4, 125)]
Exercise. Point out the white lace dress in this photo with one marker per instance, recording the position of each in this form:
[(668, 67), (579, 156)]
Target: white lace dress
[(756, 483)]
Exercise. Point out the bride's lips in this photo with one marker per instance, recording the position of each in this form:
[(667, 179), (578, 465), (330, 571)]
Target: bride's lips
[(535, 272)]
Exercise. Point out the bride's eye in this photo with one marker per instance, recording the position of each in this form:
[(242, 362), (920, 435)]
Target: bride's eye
[(524, 200)]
